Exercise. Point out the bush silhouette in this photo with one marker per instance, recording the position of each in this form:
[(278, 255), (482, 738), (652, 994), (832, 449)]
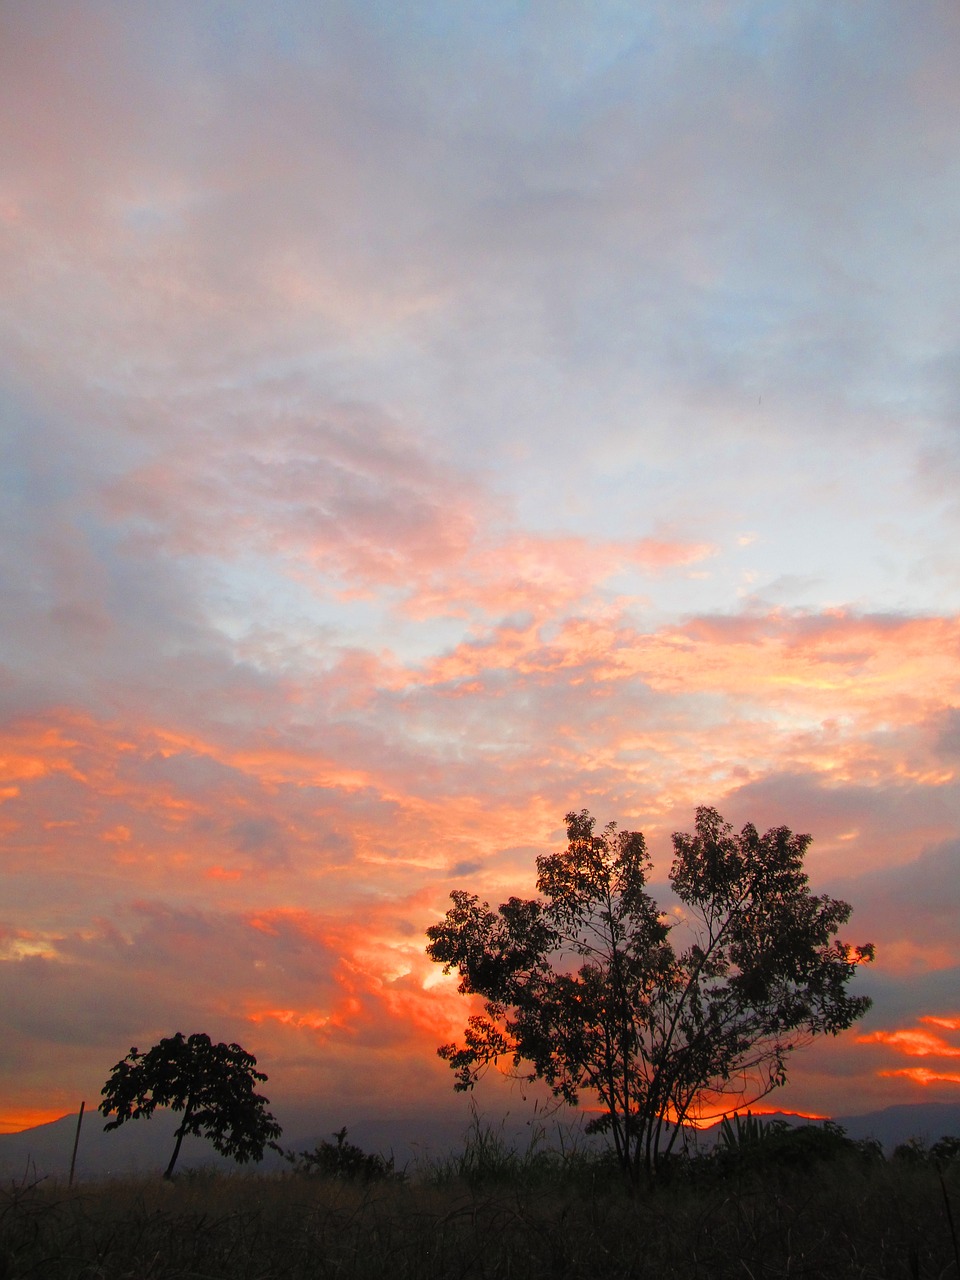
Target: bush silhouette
[(342, 1159)]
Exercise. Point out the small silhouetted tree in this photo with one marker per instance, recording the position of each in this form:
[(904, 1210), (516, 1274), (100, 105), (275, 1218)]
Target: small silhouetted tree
[(212, 1084), (342, 1159), (584, 985)]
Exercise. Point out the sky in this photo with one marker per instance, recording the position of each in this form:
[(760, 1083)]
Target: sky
[(419, 420)]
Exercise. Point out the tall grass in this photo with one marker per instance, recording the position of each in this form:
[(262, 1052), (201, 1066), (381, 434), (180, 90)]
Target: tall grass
[(489, 1159), (487, 1214)]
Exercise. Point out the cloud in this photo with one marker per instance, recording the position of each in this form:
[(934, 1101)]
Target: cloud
[(383, 401), (306, 991), (546, 574), (343, 492), (910, 909), (918, 1042), (925, 1076)]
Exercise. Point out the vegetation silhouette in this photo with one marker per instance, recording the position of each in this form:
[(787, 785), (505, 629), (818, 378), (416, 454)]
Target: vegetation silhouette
[(212, 1084), (584, 985), (342, 1159), (745, 1142), (493, 1212)]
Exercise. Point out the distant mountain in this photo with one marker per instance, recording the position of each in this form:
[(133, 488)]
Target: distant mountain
[(893, 1125), (144, 1146), (141, 1146)]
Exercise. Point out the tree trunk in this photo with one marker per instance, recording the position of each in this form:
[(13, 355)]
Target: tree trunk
[(168, 1174)]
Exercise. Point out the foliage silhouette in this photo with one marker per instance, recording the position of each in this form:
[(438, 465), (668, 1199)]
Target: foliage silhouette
[(946, 1150), (751, 1143), (744, 1133), (212, 1084), (584, 985), (342, 1159)]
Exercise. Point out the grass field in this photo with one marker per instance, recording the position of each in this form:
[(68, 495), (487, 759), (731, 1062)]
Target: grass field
[(489, 1214)]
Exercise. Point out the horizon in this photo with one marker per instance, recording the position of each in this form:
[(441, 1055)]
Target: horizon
[(414, 1140), (418, 422)]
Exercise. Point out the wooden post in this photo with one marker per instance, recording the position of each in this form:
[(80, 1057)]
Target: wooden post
[(76, 1143)]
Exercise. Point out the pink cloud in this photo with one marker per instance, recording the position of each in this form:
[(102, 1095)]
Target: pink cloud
[(544, 575), (729, 681), (281, 657), (337, 490), (350, 502)]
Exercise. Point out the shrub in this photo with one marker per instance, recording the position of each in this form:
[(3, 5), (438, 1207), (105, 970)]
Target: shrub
[(342, 1159)]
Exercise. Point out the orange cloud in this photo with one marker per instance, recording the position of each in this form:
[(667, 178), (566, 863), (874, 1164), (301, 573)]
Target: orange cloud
[(303, 672), (383, 990), (778, 658), (923, 1075), (918, 1043), (915, 1043), (391, 782), (667, 752), (742, 695), (411, 804), (311, 1019), (949, 1024), (31, 749)]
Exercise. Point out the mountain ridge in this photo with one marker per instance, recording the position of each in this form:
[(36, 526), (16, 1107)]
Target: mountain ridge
[(144, 1147)]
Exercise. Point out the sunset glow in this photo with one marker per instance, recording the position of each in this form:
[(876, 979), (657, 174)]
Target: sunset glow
[(918, 1042), (15, 1120), (419, 421)]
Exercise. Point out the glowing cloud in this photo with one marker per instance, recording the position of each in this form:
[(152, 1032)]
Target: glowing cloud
[(403, 442), (919, 1043)]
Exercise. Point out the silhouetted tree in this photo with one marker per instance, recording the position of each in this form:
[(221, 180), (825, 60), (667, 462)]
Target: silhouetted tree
[(212, 1084), (584, 985), (946, 1150)]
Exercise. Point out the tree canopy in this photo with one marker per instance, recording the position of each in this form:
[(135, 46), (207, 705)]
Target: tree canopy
[(593, 989), (212, 1084)]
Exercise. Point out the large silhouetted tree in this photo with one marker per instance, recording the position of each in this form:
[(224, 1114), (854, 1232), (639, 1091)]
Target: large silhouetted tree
[(585, 986), (212, 1084)]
